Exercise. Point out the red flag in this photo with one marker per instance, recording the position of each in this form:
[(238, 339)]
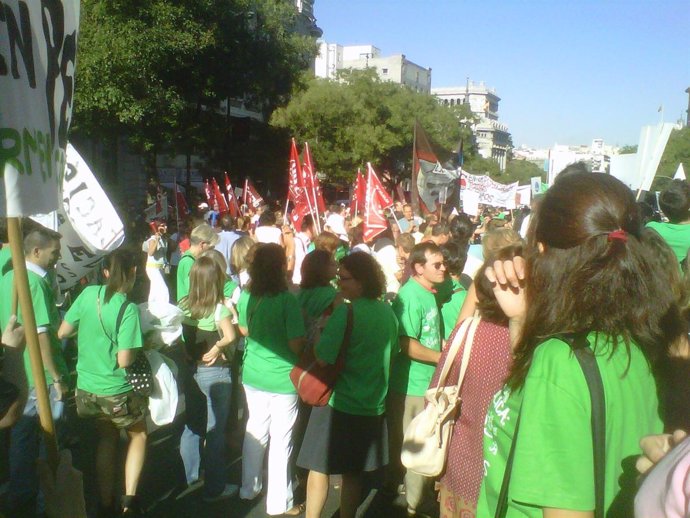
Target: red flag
[(251, 197), (220, 199), (233, 206), (297, 192), (311, 181), (376, 201), (358, 194), (210, 197), (180, 201)]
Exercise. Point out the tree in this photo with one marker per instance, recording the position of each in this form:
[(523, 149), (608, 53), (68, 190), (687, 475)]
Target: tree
[(155, 71), (627, 150), (677, 151), (520, 171), (360, 119)]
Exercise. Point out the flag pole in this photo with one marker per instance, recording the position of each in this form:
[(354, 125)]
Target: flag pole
[(287, 201), (395, 218), (177, 205), (29, 321), (415, 191)]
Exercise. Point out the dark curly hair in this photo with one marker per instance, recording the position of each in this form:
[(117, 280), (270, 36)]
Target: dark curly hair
[(367, 272)]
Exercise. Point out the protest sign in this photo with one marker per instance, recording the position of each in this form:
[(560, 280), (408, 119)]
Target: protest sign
[(88, 222), (490, 192), (38, 45)]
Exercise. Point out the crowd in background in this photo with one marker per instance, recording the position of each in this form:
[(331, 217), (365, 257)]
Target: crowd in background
[(585, 263)]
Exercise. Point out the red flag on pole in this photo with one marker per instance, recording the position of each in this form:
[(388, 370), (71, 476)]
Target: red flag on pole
[(252, 197), (312, 181), (376, 201), (220, 199), (297, 192), (233, 206), (210, 198), (358, 194), (180, 201)]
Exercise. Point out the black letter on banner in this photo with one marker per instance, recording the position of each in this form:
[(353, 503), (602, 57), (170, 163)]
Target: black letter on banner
[(53, 17), (78, 252), (69, 55), (23, 42)]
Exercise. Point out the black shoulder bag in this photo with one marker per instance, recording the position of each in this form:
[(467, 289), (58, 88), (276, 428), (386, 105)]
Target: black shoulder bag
[(585, 356), (138, 374)]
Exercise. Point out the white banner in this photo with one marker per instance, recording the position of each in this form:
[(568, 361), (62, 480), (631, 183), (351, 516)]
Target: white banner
[(490, 192), (88, 222), (38, 46)]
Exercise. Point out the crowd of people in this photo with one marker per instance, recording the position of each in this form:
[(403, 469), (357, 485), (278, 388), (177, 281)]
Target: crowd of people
[(585, 268)]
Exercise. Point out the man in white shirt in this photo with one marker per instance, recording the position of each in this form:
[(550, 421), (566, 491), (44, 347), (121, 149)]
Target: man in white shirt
[(302, 242)]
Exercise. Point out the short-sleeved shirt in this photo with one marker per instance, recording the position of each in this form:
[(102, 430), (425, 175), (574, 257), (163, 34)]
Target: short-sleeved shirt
[(420, 319), (5, 259), (97, 368), (362, 386), (160, 254), (183, 269), (314, 301), (45, 313), (210, 321), (553, 464), (451, 309), (272, 322), (677, 236), (229, 288)]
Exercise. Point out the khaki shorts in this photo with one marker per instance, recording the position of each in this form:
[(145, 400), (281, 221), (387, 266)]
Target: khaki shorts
[(123, 410)]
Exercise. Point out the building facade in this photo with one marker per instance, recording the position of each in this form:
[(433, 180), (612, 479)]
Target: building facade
[(492, 137), (396, 68)]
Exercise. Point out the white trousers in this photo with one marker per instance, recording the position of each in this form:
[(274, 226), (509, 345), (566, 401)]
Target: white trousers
[(158, 292), (270, 416)]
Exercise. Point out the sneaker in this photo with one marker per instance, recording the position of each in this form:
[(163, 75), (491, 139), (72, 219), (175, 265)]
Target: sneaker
[(191, 487), (229, 491)]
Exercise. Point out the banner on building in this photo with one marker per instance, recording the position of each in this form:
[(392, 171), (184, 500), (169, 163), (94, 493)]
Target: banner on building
[(38, 46), (490, 192)]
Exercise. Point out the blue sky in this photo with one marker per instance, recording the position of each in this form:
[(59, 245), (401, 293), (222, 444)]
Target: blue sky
[(566, 72)]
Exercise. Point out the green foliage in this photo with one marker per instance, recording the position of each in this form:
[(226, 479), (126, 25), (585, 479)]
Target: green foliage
[(361, 119), (677, 151), (521, 171), (627, 150), (480, 165), (155, 70)]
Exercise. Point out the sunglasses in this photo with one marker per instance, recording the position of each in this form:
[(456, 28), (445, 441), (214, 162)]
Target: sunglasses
[(438, 266)]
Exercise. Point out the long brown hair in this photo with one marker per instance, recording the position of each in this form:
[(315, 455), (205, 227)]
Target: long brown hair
[(206, 281), (587, 280), (121, 266)]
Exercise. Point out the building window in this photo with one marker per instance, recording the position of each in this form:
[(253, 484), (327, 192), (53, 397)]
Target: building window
[(384, 71)]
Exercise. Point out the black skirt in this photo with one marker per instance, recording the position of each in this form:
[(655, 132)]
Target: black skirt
[(336, 442)]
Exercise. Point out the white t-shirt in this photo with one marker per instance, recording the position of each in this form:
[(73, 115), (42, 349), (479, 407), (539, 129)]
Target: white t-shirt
[(301, 244)]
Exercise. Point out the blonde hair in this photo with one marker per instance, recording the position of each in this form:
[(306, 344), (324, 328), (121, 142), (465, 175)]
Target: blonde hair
[(239, 257), (206, 283), (203, 233), (217, 256), (495, 240)]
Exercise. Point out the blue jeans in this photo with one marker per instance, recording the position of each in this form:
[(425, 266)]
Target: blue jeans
[(26, 445), (216, 384)]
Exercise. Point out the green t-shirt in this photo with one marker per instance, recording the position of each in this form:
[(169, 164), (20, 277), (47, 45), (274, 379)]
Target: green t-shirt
[(45, 313), (676, 236), (5, 259), (314, 301), (362, 385), (272, 322), (207, 323), (183, 269), (553, 464), (419, 318), (229, 288), (451, 309), (97, 369)]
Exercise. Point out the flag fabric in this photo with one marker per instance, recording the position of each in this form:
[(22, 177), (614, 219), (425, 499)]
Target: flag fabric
[(220, 199), (251, 196), (312, 181), (429, 177), (376, 201), (358, 194), (210, 198), (297, 192), (233, 206), (180, 201), (680, 173)]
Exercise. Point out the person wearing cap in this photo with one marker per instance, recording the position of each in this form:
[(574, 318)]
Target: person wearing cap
[(201, 238)]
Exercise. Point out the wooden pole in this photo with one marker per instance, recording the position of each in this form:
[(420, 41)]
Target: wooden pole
[(29, 322)]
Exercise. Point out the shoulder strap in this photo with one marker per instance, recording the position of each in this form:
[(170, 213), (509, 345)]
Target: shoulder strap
[(588, 363), (118, 321), (452, 352), (120, 316)]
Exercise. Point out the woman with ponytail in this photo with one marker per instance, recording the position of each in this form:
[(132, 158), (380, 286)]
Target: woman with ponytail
[(587, 275), (108, 340)]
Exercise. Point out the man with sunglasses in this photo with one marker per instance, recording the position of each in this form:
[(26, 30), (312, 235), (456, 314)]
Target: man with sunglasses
[(414, 365)]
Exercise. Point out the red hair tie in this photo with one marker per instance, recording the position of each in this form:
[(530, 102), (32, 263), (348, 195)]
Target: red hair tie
[(619, 234)]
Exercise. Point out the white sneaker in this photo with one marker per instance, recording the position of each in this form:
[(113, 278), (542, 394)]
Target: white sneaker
[(229, 491)]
